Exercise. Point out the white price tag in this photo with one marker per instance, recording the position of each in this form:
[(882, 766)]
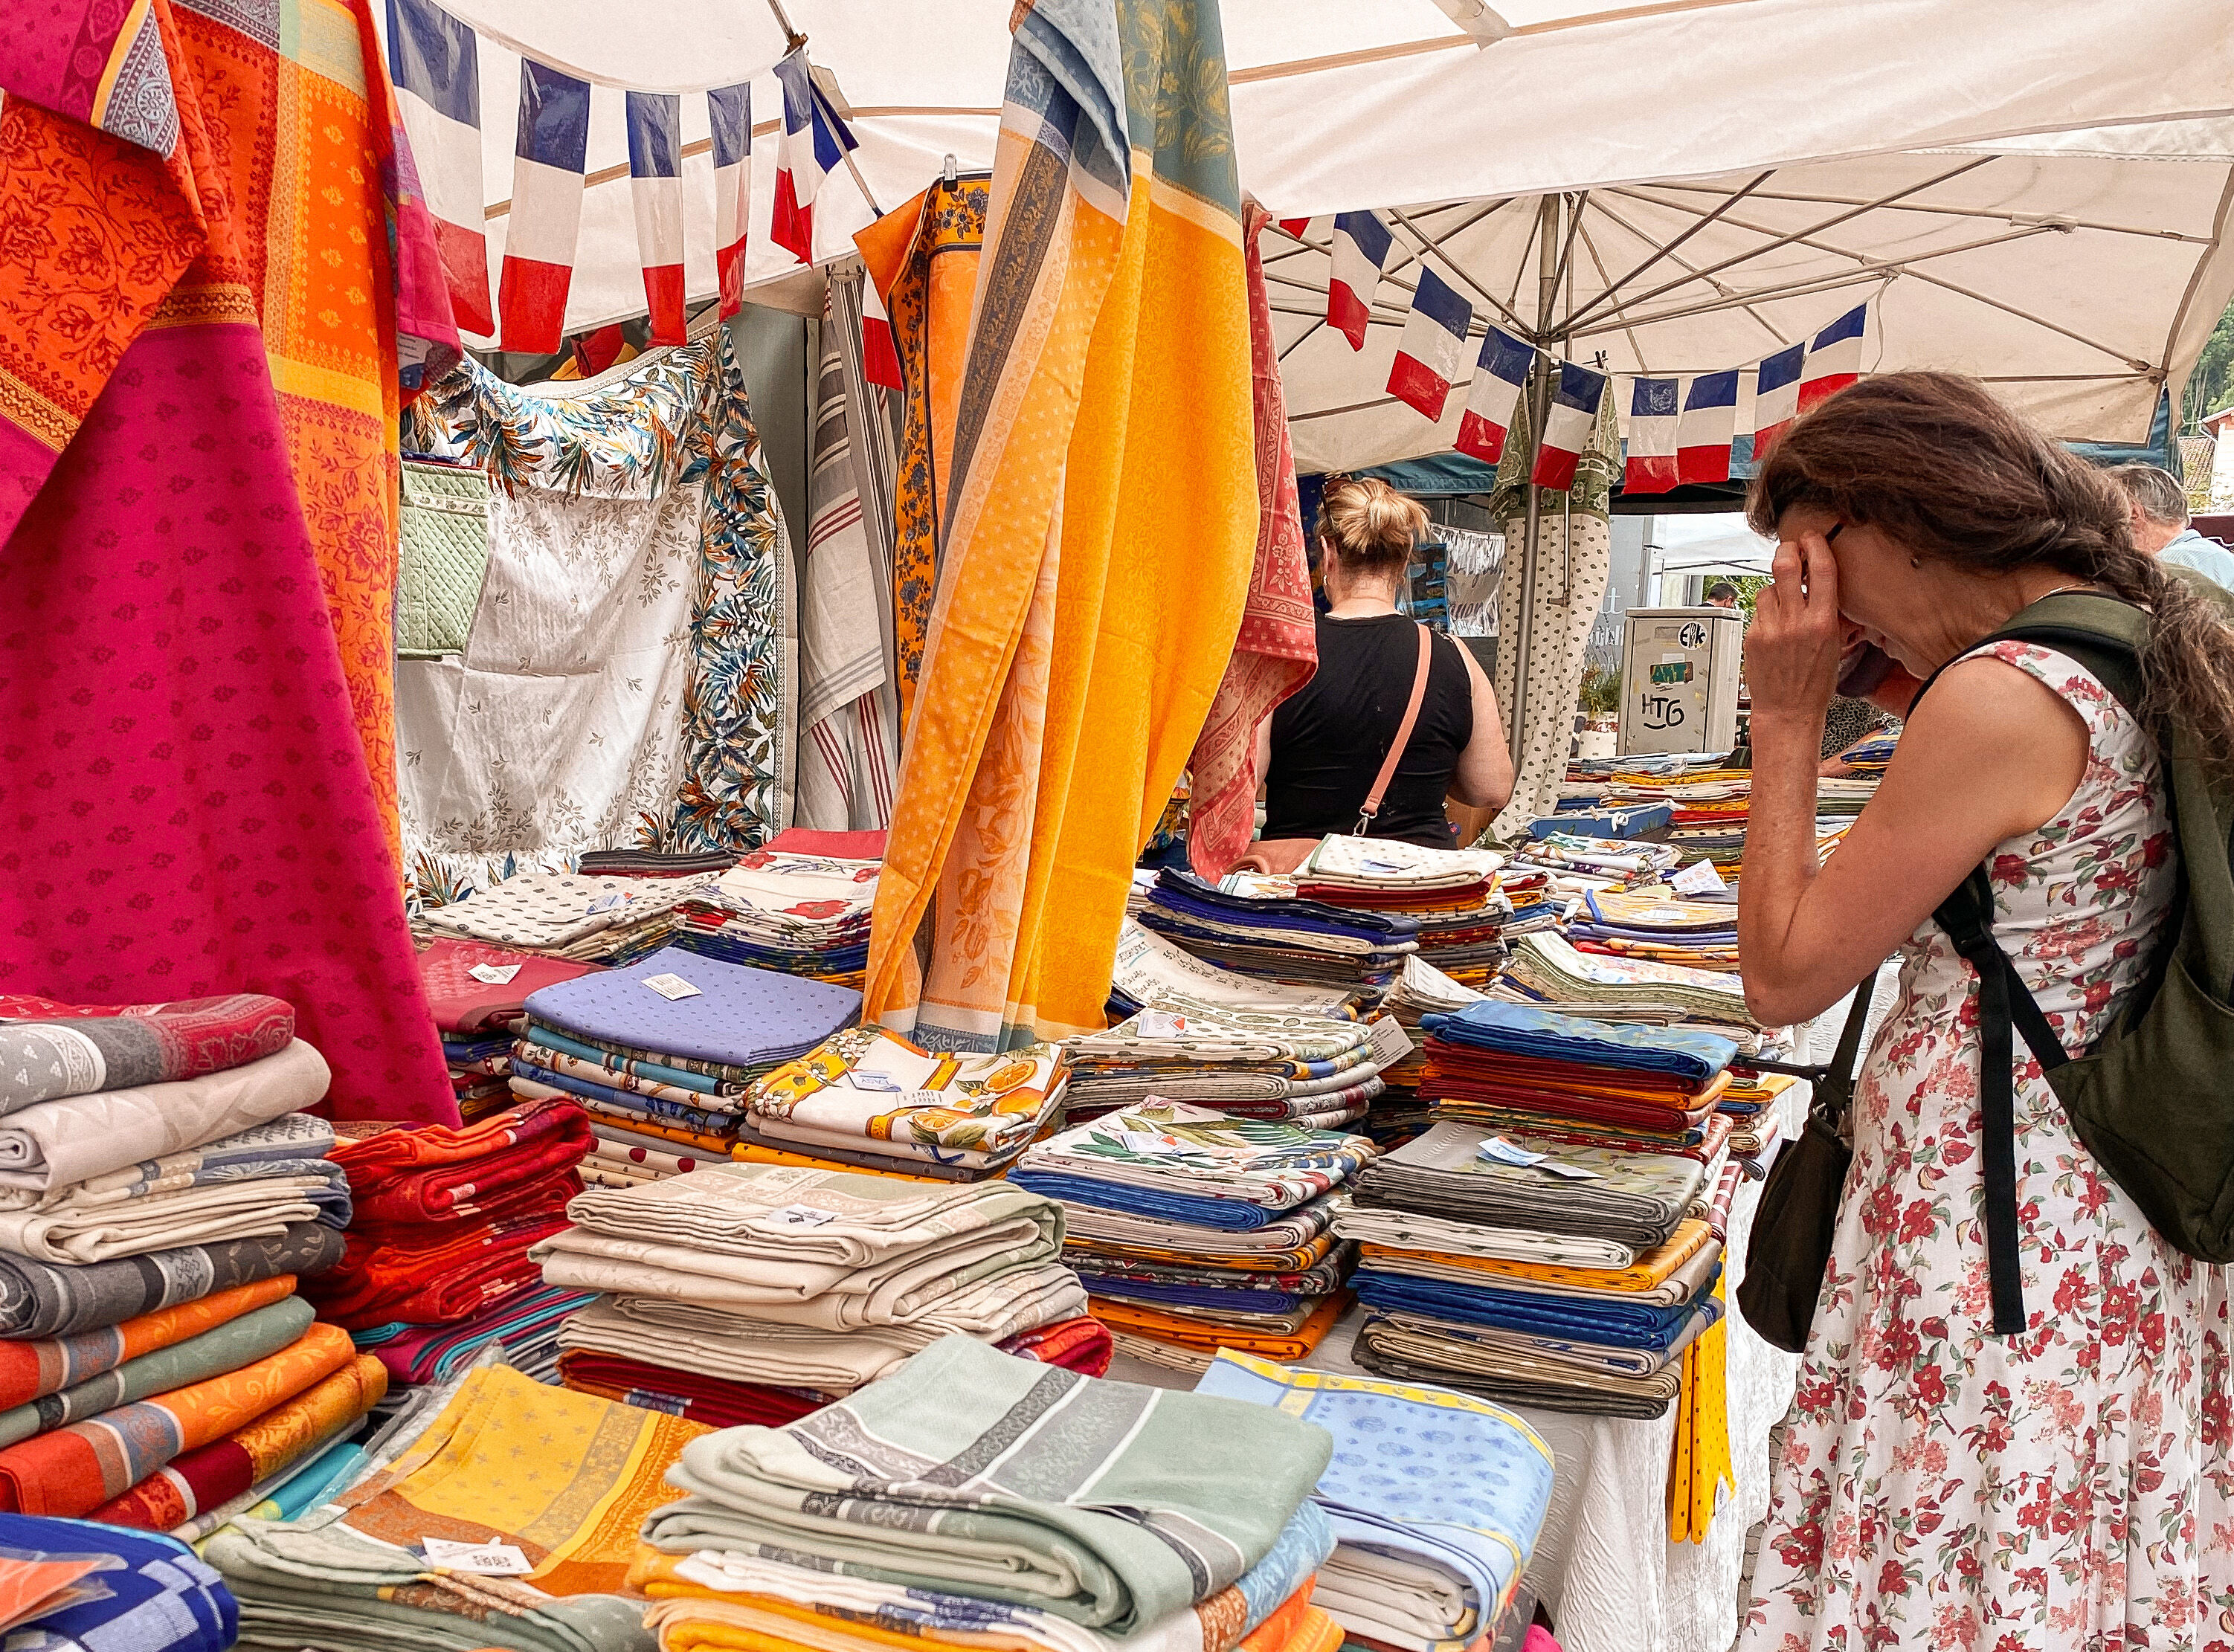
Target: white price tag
[(606, 902), (1390, 1042), (861, 1078), (1161, 1024), (802, 1216), (492, 1559), (1498, 1151), (494, 975), (670, 986), (1700, 878), (1571, 1172)]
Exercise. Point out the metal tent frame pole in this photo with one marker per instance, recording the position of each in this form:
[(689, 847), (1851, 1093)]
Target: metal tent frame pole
[(1540, 396)]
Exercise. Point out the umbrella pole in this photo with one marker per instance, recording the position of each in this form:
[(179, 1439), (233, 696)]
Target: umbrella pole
[(1547, 262)]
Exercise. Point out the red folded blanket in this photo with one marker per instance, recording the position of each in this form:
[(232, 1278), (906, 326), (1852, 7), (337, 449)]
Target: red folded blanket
[(712, 1400), (432, 1172), (1619, 1113), (1450, 1055), (464, 1273), (464, 1003), (1083, 1345)]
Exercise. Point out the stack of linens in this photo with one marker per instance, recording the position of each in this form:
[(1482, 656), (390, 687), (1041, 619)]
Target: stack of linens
[(582, 916), (479, 995), (1305, 1069), (802, 914), (1259, 926)]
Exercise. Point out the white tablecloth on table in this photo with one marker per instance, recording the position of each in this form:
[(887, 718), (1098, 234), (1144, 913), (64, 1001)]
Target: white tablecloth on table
[(1603, 1566)]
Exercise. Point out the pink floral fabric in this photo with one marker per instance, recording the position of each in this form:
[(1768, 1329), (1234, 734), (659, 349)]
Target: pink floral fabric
[(1941, 1487)]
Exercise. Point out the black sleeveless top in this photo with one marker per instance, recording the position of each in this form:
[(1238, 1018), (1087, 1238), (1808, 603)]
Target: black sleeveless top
[(1331, 737)]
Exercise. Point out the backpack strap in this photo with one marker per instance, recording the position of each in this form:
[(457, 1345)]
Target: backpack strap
[(1372, 805), (2103, 634)]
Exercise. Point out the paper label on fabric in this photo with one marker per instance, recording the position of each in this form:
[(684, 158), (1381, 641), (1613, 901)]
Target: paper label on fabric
[(801, 1216), (606, 902), (1161, 1024), (1700, 878), (494, 975), (863, 1079), (491, 1559), (1498, 1151), (670, 986), (1570, 1172), (1389, 1042)]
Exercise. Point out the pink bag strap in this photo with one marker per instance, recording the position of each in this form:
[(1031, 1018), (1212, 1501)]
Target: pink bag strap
[(1403, 737)]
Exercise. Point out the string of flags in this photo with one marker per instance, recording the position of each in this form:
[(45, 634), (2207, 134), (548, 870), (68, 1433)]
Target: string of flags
[(1680, 429), (436, 71)]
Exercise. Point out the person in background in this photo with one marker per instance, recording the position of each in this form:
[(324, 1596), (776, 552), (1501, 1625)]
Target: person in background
[(1721, 594), (1319, 753), (2065, 1489), (2161, 525)]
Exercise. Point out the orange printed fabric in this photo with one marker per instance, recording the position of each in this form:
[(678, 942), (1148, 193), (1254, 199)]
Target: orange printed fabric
[(198, 1481), (31, 1370), (1648, 1272), (1101, 461), (74, 1470), (566, 1478), (1207, 1336), (924, 258)]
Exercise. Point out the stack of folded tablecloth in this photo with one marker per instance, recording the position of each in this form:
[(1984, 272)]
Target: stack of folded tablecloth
[(864, 1099), (158, 1194), (436, 1266), (1436, 1500), (582, 916), (970, 1499), (1547, 971), (1149, 972), (1572, 863), (1750, 1103), (1657, 926), (744, 1279), (71, 1587), (663, 1053), (654, 863), (803, 914), (1528, 1269), (415, 1553), (1399, 1113), (1508, 1067), (1259, 926), (478, 992), (1451, 895), (1252, 1064), (1194, 1230)]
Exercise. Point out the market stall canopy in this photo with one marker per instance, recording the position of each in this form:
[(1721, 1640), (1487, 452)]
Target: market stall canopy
[(2040, 192)]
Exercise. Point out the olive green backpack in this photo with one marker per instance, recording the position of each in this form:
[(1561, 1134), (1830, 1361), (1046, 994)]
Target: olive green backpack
[(2153, 1100)]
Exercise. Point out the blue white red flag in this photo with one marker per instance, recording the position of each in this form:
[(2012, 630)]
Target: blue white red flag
[(1567, 426), (1500, 374), (438, 78), (1362, 245), (1654, 409), (1432, 347), (729, 112), (548, 154), (812, 146), (1834, 357), (654, 141), (1776, 397), (1705, 427), (880, 356)]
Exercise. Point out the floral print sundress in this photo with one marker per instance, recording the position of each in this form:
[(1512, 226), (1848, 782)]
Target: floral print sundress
[(1941, 1487)]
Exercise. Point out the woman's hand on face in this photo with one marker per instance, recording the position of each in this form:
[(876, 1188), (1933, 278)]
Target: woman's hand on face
[(1793, 645)]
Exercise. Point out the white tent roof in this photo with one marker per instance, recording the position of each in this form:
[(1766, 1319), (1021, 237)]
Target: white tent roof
[(2063, 171)]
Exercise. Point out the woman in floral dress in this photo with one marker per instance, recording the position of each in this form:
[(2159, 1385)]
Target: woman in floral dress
[(1941, 1486)]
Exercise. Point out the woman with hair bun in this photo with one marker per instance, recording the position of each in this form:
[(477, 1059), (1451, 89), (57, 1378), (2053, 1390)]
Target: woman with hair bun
[(2068, 1486), (1320, 752)]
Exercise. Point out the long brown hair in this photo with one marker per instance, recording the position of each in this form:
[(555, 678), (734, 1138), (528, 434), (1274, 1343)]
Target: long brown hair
[(1938, 464)]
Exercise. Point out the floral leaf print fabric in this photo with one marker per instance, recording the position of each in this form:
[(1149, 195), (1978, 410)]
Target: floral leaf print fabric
[(2070, 1487)]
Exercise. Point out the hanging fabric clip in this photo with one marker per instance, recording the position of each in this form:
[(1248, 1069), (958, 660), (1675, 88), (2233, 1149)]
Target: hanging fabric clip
[(951, 169)]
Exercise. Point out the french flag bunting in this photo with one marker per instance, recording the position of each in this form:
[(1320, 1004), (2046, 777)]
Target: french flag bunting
[(1705, 428), (1654, 414), (1500, 374), (1295, 227), (654, 141), (880, 357), (546, 208), (1432, 347), (437, 68), (812, 146), (1362, 244), (1834, 357), (1776, 397), (1567, 426), (729, 110)]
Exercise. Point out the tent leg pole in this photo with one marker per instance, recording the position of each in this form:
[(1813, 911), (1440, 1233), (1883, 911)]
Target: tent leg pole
[(1547, 260)]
